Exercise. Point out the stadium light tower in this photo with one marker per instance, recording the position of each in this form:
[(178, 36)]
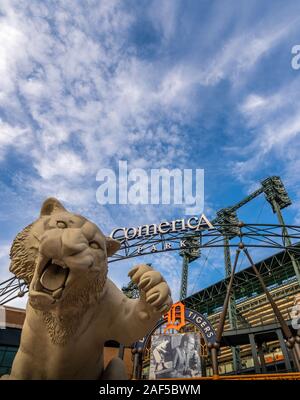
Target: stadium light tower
[(229, 228), (277, 196), (189, 254)]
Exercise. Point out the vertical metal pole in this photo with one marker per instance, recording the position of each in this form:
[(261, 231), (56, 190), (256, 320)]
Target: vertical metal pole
[(184, 276), (284, 326), (286, 240), (254, 353), (221, 324), (220, 328), (232, 313), (297, 350), (203, 366), (214, 361), (139, 364), (135, 354), (284, 350), (121, 351), (295, 357), (286, 330), (261, 358)]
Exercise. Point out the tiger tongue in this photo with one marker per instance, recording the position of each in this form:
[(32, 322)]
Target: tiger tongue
[(54, 277)]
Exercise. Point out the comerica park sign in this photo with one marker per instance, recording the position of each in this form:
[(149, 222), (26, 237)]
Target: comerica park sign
[(178, 234), (165, 227)]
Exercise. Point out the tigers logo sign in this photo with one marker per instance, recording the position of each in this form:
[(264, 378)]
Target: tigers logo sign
[(175, 317)]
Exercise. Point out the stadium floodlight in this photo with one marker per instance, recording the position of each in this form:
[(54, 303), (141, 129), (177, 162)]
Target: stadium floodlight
[(191, 250), (228, 221), (276, 193)]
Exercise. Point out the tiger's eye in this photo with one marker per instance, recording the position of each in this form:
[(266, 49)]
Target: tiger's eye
[(61, 224), (94, 245)]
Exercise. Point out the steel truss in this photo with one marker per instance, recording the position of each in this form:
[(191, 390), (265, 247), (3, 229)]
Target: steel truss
[(275, 270), (11, 289), (253, 236)]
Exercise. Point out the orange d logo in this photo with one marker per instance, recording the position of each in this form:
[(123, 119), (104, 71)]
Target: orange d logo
[(175, 317)]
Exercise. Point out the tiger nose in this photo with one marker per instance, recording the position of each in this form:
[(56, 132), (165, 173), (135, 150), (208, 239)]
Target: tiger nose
[(73, 242)]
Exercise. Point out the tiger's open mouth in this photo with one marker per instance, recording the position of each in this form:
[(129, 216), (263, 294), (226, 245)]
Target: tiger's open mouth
[(53, 279)]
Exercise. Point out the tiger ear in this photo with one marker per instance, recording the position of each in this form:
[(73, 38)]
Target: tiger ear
[(23, 253), (50, 206), (112, 246)]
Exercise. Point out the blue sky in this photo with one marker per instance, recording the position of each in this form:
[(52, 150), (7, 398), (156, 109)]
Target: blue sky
[(175, 84)]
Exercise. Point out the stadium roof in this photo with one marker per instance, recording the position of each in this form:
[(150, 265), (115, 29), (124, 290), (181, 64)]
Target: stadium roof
[(275, 270)]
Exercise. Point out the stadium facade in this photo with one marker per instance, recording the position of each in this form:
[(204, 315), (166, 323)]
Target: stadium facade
[(258, 335)]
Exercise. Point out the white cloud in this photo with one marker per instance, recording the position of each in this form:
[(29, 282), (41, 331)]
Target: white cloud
[(13, 136), (12, 45), (242, 52), (4, 252), (79, 82), (64, 163), (74, 195), (253, 103), (275, 129), (164, 16), (80, 95), (274, 122), (281, 134)]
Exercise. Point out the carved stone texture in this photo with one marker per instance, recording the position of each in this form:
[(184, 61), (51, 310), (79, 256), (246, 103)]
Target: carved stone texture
[(73, 308)]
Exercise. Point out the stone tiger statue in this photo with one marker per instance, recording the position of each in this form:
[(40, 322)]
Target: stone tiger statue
[(73, 308)]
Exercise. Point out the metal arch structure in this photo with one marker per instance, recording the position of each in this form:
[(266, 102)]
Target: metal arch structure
[(253, 235), (258, 236), (11, 289)]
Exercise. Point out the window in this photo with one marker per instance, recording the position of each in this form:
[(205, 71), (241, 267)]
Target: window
[(7, 355)]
